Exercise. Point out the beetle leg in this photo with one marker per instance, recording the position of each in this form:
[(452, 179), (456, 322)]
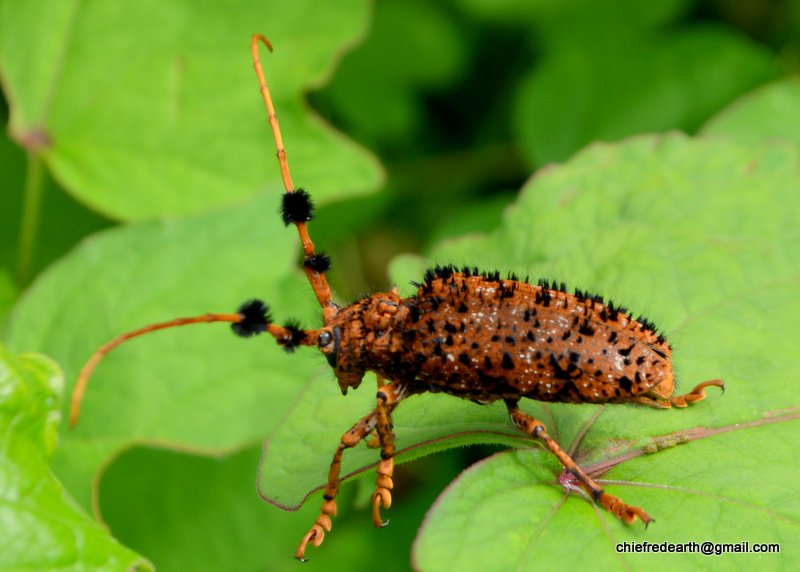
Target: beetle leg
[(535, 428), (374, 440), (323, 523), (697, 394), (388, 398), (378, 420)]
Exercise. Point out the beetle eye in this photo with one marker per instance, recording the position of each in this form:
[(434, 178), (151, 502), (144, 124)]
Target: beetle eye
[(324, 338)]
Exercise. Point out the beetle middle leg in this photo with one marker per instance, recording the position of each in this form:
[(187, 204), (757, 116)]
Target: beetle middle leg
[(536, 429)]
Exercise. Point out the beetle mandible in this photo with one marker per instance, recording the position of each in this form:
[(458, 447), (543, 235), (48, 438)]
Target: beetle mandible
[(466, 333)]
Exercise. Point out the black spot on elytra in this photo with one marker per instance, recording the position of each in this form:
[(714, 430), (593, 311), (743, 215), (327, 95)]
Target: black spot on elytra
[(558, 371), (640, 360), (625, 351), (450, 328), (487, 362), (612, 338), (530, 336), (566, 335), (495, 338), (437, 350), (625, 383), (449, 340), (464, 358), (511, 340), (462, 308), (574, 357), (508, 363), (474, 345), (586, 329)]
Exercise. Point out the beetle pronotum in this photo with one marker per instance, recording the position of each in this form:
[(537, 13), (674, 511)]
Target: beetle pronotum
[(470, 334)]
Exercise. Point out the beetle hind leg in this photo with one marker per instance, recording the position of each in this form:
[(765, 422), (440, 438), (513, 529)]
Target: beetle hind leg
[(697, 394), (681, 401)]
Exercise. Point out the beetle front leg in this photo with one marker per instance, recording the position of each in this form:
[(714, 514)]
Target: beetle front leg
[(323, 523), (612, 504), (388, 398)]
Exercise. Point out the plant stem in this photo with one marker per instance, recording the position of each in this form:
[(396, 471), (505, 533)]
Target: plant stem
[(32, 200)]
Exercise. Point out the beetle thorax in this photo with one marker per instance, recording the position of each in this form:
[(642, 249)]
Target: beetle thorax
[(369, 333)]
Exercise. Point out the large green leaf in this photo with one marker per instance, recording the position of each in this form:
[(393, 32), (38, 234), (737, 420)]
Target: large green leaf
[(561, 21), (152, 108), (43, 528), (199, 513), (433, 60), (197, 388), (708, 492), (621, 86), (699, 235), (766, 114)]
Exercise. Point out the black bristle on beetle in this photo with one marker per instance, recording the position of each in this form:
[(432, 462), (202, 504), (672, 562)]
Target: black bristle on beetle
[(296, 207), (255, 319), (295, 336), (319, 262), (548, 287)]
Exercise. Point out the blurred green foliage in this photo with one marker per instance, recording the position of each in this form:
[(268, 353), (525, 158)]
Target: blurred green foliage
[(145, 120)]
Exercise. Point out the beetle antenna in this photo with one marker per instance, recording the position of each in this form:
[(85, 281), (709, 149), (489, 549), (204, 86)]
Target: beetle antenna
[(251, 319), (297, 207)]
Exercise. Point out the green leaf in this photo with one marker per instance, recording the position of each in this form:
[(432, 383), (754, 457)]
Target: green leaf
[(706, 492), (399, 71), (581, 93), (197, 388), (182, 498), (154, 109), (43, 529), (700, 236), (766, 114), (562, 20)]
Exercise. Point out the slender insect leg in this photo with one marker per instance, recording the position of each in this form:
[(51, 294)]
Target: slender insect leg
[(323, 523), (388, 398), (697, 394), (374, 441), (536, 429)]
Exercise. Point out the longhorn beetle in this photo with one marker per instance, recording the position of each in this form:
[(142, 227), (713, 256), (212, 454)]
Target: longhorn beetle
[(470, 334)]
